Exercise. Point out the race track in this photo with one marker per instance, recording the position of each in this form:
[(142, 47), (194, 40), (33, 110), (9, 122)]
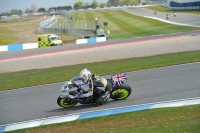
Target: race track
[(154, 85)]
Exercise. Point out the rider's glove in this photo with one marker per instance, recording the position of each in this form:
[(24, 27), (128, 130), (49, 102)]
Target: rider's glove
[(79, 95)]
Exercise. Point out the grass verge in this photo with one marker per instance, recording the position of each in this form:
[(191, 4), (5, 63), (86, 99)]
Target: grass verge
[(167, 10), (166, 120), (125, 25), (57, 74)]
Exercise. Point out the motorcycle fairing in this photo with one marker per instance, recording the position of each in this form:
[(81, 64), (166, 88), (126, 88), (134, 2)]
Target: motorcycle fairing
[(118, 79)]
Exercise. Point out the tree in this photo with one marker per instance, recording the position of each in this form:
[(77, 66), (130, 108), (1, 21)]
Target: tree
[(5, 14), (87, 4), (130, 1), (110, 2), (59, 8), (33, 8), (103, 4), (28, 10), (95, 4), (20, 11), (41, 10), (14, 11), (78, 5), (68, 8), (113, 2), (118, 2)]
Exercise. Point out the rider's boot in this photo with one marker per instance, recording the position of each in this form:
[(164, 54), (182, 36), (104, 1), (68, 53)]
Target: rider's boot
[(106, 96), (103, 98)]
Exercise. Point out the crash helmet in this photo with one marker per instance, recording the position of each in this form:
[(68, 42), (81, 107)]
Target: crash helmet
[(85, 75)]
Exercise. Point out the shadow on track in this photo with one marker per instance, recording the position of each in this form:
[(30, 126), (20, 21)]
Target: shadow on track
[(79, 107)]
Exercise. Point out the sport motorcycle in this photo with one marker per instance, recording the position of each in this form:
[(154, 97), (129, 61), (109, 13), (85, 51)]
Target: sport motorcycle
[(69, 90)]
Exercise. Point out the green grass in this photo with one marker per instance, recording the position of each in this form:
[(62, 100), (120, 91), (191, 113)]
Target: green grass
[(125, 25), (166, 120), (11, 27), (167, 10), (14, 20), (4, 38), (58, 74)]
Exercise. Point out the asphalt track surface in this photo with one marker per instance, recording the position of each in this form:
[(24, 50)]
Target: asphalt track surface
[(153, 85)]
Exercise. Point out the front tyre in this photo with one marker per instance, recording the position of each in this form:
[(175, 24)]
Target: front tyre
[(121, 92), (65, 103)]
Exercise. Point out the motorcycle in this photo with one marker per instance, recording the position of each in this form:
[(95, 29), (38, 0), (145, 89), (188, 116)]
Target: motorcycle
[(70, 89)]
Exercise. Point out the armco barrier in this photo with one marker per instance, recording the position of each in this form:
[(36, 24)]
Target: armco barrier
[(14, 47), (91, 40)]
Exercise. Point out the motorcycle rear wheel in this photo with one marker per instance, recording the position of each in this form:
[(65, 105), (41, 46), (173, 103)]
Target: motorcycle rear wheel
[(121, 93), (65, 103)]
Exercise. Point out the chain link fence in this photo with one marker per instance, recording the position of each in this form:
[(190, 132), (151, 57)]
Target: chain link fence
[(183, 8), (68, 26), (47, 23), (65, 14), (154, 2)]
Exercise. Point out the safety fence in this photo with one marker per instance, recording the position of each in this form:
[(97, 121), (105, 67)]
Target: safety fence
[(47, 23), (65, 14), (91, 40), (13, 47), (183, 8), (67, 26), (68, 31), (21, 15), (154, 2)]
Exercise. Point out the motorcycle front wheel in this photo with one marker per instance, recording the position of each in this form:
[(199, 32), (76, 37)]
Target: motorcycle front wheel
[(65, 103), (121, 93)]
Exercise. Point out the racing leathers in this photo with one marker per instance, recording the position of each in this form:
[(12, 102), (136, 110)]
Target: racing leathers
[(96, 82)]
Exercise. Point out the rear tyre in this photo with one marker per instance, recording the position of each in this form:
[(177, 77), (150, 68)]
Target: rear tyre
[(65, 103), (121, 93)]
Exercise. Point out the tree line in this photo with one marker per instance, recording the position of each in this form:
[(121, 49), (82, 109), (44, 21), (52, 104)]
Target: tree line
[(121, 2), (77, 5), (34, 10), (94, 4)]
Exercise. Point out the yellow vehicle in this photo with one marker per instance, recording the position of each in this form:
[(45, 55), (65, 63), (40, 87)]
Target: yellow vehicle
[(48, 40)]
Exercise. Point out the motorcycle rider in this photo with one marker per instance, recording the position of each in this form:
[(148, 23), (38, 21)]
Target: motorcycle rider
[(95, 81)]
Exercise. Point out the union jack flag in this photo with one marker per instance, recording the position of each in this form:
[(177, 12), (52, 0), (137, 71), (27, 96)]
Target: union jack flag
[(119, 79)]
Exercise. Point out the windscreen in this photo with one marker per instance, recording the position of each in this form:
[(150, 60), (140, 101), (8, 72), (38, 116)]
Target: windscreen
[(54, 38), (76, 80)]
